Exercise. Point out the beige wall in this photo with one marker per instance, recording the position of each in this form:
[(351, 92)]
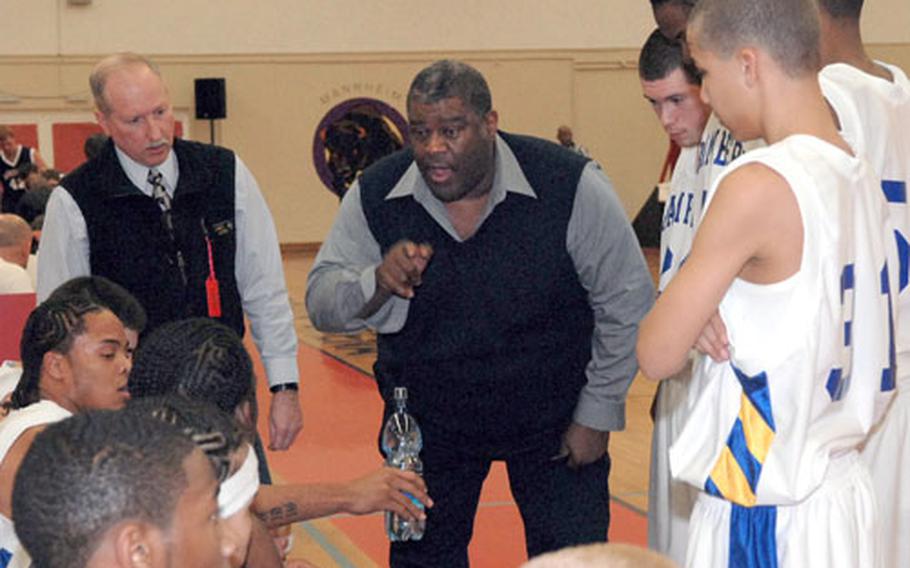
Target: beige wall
[(52, 27), (572, 62)]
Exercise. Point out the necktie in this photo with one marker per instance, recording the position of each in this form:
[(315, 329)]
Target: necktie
[(159, 193)]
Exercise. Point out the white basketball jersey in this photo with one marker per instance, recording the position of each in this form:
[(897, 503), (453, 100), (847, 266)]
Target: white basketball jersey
[(695, 172), (875, 118), (682, 211), (11, 428), (812, 362)]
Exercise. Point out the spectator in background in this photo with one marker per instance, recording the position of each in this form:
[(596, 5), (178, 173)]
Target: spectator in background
[(671, 16), (94, 144), (37, 191), (51, 177), (564, 135), (15, 246), (12, 156)]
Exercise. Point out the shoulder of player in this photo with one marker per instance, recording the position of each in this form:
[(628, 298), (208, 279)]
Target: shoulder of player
[(753, 185)]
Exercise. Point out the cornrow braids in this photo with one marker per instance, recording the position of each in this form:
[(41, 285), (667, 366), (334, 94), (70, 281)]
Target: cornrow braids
[(107, 293), (213, 431), (52, 326), (199, 358)]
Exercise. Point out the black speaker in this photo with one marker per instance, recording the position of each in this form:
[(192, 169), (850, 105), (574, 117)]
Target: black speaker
[(210, 100)]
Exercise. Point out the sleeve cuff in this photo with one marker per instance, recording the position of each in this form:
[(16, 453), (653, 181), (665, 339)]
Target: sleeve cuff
[(606, 416), (281, 370)]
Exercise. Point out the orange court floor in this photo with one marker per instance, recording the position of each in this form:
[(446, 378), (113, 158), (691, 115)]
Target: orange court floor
[(342, 411)]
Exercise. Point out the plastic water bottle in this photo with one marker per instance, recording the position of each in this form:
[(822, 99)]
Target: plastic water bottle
[(401, 444)]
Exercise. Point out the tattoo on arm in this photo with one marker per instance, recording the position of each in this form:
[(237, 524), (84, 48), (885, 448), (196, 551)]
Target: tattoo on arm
[(285, 513)]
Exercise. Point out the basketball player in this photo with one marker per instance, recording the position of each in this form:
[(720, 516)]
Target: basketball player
[(672, 87), (792, 252), (872, 102), (118, 490), (670, 502)]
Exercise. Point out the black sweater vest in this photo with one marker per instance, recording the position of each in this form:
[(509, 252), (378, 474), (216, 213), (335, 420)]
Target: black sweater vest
[(498, 334), (129, 245)]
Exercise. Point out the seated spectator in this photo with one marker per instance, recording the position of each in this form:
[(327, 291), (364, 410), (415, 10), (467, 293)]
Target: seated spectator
[(51, 177), (204, 360), (37, 191), (75, 356), (94, 144), (15, 247), (31, 174), (117, 490)]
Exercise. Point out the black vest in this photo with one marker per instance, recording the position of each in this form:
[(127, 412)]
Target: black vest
[(128, 242), (498, 334)]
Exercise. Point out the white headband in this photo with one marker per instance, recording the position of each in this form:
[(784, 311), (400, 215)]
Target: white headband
[(237, 491)]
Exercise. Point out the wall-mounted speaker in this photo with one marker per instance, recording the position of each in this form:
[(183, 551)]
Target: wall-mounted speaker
[(210, 98)]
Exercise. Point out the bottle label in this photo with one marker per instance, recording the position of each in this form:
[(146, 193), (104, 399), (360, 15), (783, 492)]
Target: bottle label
[(414, 500)]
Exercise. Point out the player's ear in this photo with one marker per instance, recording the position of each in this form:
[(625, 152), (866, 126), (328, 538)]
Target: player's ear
[(135, 545), (747, 58)]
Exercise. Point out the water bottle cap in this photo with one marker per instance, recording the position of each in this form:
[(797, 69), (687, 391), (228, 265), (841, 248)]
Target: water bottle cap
[(401, 393)]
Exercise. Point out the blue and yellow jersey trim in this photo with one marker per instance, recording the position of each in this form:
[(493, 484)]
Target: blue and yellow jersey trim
[(737, 471)]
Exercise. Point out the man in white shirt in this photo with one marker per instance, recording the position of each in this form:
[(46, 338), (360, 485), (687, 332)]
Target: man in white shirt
[(183, 226), (15, 243)]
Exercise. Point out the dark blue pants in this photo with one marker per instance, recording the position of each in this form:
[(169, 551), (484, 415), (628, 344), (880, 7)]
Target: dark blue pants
[(559, 506)]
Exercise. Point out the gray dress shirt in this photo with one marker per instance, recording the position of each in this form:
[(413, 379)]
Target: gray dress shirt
[(599, 240)]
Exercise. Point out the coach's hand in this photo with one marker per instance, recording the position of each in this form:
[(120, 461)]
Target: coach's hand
[(584, 445), (285, 419), (402, 268)]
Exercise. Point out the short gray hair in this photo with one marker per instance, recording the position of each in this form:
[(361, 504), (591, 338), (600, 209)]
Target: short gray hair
[(104, 68), (448, 78), (787, 29)]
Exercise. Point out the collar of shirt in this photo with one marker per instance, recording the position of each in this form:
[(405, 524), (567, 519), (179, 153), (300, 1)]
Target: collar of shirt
[(508, 178), (138, 173)]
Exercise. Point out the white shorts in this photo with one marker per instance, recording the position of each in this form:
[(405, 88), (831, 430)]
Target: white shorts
[(887, 455), (670, 501), (835, 527)]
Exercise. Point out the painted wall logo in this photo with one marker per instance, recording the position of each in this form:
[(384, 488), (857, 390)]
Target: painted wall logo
[(352, 135)]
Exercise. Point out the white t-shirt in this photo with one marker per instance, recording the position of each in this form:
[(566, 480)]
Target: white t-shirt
[(14, 279)]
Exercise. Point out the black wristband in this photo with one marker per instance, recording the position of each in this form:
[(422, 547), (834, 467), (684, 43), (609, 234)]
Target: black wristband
[(284, 387)]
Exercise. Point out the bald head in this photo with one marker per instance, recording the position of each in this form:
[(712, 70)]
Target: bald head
[(592, 555), (15, 239), (110, 65)]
